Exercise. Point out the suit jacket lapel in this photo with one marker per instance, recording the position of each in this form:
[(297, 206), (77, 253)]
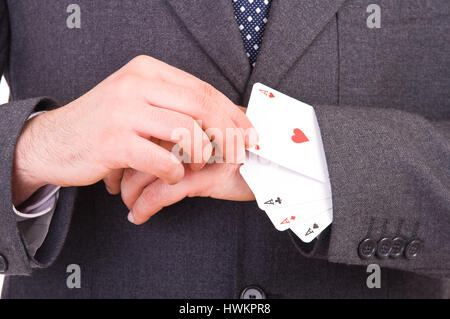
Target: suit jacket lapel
[(213, 25), (292, 27)]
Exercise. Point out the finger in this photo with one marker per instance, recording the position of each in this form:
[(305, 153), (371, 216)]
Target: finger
[(202, 106), (158, 195), (211, 96), (251, 136), (243, 109), (191, 142), (132, 185), (207, 152), (143, 155), (181, 78), (155, 70), (112, 181)]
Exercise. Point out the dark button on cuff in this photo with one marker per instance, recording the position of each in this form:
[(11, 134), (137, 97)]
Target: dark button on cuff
[(413, 249), (253, 292), (384, 248), (398, 246), (3, 264), (367, 248)]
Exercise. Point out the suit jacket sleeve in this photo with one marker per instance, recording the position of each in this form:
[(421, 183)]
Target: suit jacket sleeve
[(13, 117), (390, 176)]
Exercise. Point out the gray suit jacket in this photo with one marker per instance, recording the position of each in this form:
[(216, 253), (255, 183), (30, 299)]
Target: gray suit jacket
[(383, 103)]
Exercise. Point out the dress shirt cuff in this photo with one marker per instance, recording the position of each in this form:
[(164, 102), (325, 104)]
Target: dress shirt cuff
[(35, 230), (38, 204)]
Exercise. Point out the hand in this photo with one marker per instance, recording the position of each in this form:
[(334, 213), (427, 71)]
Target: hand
[(110, 127), (145, 194)]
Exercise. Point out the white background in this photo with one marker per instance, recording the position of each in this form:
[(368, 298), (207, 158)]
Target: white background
[(4, 93)]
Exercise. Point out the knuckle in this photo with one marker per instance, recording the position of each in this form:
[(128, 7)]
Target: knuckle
[(125, 84), (140, 61)]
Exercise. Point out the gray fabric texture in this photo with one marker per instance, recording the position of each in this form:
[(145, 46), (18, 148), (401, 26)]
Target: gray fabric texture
[(382, 99)]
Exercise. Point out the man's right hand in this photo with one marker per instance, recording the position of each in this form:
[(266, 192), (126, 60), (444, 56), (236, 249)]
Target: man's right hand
[(109, 128)]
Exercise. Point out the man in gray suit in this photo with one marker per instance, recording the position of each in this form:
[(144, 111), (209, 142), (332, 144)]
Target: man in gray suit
[(378, 77)]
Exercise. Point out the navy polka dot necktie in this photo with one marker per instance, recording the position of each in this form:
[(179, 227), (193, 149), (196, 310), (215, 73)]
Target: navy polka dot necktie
[(252, 16)]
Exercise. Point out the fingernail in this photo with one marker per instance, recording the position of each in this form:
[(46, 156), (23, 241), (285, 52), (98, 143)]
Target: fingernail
[(131, 218)]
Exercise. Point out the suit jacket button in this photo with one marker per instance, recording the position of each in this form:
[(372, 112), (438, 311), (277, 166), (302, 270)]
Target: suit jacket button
[(398, 246), (3, 264), (367, 248), (413, 249), (384, 248), (253, 292)]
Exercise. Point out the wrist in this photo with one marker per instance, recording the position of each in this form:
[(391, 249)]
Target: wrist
[(26, 168)]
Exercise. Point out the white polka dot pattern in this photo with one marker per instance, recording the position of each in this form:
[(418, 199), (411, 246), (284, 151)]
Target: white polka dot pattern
[(251, 16)]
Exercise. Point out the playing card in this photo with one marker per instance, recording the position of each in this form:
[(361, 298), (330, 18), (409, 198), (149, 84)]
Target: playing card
[(288, 131), (282, 218), (285, 217), (305, 211), (287, 170), (310, 229), (276, 218), (291, 188)]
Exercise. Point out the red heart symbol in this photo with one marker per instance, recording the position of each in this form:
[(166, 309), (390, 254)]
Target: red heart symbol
[(299, 136), (271, 95)]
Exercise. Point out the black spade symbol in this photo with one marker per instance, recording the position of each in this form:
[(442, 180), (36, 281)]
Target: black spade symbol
[(315, 226)]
